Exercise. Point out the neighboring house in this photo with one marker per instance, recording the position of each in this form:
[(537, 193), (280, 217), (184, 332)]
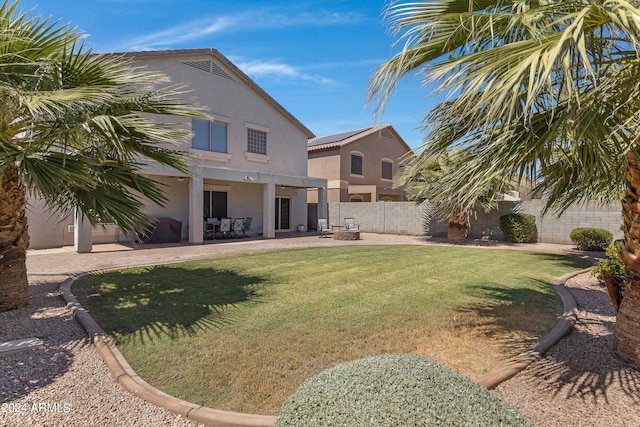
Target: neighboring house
[(359, 165), (250, 161)]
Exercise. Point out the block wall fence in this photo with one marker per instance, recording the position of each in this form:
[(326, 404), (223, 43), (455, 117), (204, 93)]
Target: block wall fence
[(419, 220)]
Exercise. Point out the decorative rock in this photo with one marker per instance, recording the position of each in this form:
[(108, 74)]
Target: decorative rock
[(11, 347)]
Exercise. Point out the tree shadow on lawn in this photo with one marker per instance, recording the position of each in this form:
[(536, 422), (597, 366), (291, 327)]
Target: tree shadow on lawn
[(510, 317), (583, 363), (169, 301), (572, 261)]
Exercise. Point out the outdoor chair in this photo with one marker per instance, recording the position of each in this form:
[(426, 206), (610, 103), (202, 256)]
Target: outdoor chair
[(225, 228), (323, 227), (246, 226), (207, 231), (237, 227), (210, 227), (350, 224)]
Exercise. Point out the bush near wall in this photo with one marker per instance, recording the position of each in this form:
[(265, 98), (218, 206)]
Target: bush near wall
[(395, 390), (518, 227), (591, 239)]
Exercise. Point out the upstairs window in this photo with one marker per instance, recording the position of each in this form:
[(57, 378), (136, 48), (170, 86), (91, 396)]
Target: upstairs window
[(209, 136), (356, 164), (387, 169), (256, 141)]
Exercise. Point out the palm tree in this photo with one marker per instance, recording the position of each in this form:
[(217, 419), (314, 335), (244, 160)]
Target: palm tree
[(75, 130), (422, 177), (545, 88)]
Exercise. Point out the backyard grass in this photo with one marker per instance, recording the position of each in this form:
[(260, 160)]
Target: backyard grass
[(241, 333)]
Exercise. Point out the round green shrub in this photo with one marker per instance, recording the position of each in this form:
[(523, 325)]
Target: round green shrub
[(395, 390), (591, 239), (518, 227)]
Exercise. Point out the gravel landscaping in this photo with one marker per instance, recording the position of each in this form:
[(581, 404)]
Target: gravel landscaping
[(65, 382), (580, 381)]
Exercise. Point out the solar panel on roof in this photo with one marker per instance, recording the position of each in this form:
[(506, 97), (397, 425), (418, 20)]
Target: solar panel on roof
[(336, 137)]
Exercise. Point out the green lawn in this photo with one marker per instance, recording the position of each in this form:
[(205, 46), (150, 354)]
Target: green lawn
[(242, 332)]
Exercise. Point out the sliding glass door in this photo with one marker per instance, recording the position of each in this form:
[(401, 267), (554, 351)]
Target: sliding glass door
[(283, 213), (215, 204)]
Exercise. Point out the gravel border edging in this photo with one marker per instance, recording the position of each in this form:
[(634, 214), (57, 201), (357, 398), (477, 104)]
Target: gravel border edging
[(131, 381), (493, 378)]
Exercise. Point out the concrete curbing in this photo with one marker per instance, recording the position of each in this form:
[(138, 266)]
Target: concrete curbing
[(131, 381), (493, 378), (127, 377)]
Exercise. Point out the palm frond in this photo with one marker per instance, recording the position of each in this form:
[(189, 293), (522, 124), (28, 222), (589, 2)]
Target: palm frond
[(80, 126), (543, 90)]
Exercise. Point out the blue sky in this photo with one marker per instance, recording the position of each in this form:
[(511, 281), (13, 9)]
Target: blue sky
[(314, 57)]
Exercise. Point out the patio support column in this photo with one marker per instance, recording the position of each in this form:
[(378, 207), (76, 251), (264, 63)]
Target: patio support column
[(322, 202), (269, 211), (196, 201), (82, 230)]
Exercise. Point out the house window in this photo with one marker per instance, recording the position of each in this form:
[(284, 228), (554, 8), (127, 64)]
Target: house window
[(356, 164), (387, 169), (209, 136), (256, 141)]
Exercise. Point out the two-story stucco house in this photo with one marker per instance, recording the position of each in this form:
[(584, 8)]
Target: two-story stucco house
[(359, 165), (249, 161)]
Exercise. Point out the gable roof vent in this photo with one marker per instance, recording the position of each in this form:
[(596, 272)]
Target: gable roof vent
[(215, 69), (208, 67)]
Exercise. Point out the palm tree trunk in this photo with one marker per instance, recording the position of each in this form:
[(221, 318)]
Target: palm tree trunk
[(14, 240), (626, 338), (457, 232)]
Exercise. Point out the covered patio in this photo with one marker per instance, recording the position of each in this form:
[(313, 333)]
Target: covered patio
[(275, 203)]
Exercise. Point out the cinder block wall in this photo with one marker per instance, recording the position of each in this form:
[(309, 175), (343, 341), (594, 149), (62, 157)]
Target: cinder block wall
[(412, 219), (552, 229), (381, 217)]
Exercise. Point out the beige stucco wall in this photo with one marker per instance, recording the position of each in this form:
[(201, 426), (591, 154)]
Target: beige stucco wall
[(239, 103), (335, 166), (236, 103), (47, 228), (373, 148), (325, 163), (177, 207)]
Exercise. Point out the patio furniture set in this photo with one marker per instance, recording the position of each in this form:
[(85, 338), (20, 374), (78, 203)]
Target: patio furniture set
[(226, 228), (349, 231)]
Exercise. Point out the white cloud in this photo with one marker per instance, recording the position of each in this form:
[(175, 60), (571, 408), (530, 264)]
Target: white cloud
[(279, 71), (245, 21), (182, 33)]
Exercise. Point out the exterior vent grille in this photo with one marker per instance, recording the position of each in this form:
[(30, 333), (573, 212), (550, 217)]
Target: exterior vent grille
[(200, 65), (208, 67), (215, 69)]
